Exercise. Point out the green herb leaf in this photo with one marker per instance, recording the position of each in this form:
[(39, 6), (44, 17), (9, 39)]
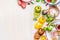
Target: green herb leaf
[(32, 3)]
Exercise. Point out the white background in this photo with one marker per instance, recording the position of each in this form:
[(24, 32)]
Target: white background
[(15, 23)]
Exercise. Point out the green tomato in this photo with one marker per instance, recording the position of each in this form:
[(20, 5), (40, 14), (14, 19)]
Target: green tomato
[(50, 18), (47, 20), (49, 29), (37, 9)]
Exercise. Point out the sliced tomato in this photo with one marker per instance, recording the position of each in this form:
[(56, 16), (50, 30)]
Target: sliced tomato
[(22, 4)]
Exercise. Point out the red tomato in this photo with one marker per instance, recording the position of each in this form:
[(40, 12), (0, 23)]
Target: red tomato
[(48, 0)]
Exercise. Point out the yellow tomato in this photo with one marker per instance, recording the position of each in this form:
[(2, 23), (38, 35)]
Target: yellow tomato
[(43, 37), (42, 19), (38, 25)]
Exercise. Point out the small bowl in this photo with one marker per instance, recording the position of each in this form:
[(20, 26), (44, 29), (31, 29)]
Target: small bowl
[(52, 3), (57, 23), (58, 27)]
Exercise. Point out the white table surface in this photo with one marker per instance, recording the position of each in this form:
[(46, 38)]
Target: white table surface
[(16, 23)]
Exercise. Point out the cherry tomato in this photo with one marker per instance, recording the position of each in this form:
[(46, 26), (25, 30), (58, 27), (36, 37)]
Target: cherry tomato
[(48, 0), (41, 31), (36, 35), (42, 19), (38, 25), (43, 37)]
